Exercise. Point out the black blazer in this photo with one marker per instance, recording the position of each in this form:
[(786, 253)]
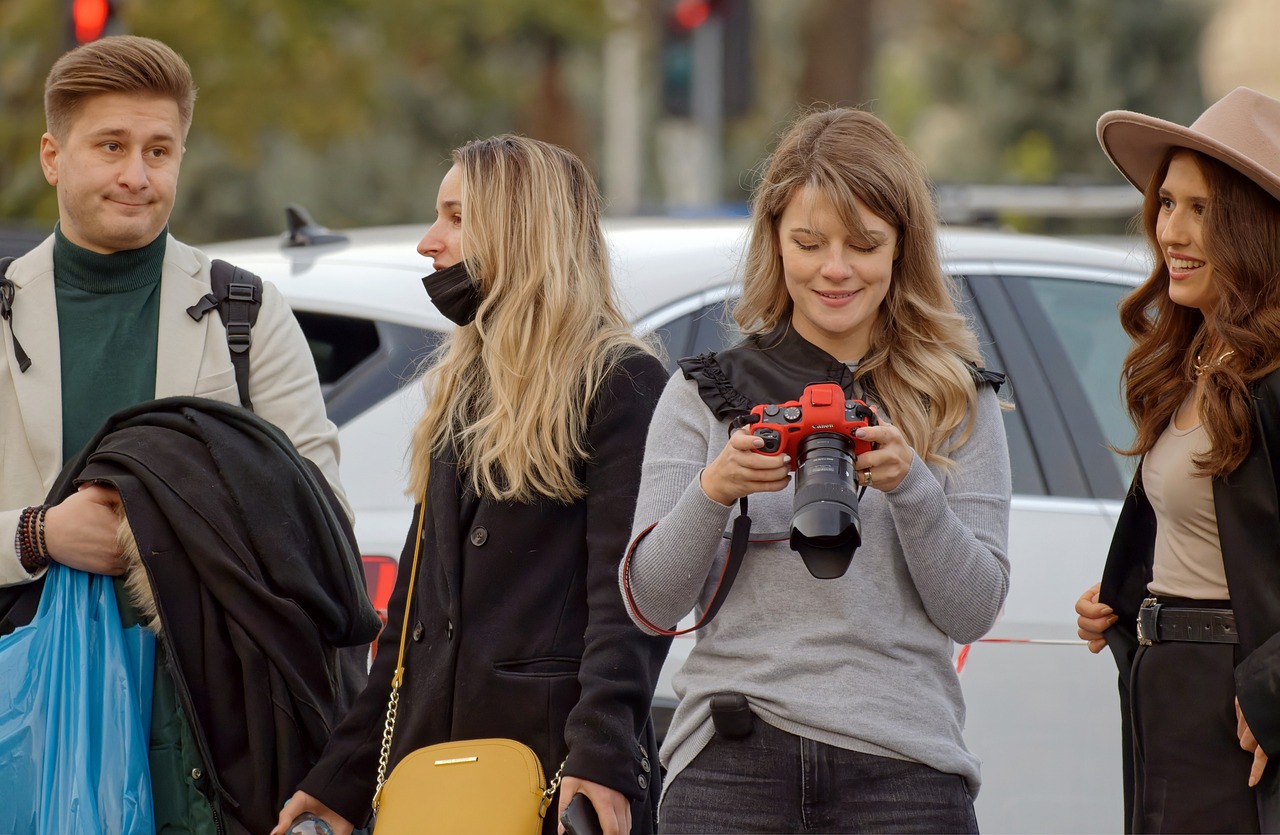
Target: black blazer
[(1249, 529), (518, 629)]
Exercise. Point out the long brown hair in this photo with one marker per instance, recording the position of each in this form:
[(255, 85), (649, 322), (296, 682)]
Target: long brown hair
[(921, 345), (510, 394), (1241, 234)]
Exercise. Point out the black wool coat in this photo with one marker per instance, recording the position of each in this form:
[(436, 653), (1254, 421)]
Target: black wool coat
[(257, 582), (517, 627), (1247, 504)]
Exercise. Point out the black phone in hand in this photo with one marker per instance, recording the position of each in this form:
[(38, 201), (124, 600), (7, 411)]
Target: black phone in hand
[(580, 818)]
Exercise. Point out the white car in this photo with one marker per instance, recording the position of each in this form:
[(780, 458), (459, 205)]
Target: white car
[(1042, 712)]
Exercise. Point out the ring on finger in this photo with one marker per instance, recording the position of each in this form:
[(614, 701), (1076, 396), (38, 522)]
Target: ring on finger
[(866, 477)]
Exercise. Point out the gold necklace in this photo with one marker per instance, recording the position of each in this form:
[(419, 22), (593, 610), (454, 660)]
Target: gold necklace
[(1202, 367)]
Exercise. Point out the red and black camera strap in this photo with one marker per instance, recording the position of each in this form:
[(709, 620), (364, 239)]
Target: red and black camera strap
[(738, 540)]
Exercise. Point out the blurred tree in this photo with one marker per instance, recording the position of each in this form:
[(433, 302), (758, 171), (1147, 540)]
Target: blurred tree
[(347, 106), (1010, 91), (31, 36), (551, 114), (350, 107), (838, 40)]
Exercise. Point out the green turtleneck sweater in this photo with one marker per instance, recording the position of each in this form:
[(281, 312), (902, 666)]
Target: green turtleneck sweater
[(108, 324), (108, 316)]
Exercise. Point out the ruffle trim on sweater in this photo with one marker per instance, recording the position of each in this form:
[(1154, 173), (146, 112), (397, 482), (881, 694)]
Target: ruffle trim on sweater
[(725, 401)]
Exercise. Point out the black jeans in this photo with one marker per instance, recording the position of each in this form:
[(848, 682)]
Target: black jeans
[(773, 781)]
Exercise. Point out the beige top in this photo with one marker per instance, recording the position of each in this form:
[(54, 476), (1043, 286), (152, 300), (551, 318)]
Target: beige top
[(1188, 554)]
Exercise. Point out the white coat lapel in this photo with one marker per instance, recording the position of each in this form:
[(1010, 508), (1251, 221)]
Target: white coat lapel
[(38, 390), (180, 340)]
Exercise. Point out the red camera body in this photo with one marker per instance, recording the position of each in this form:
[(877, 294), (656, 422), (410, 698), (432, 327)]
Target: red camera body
[(821, 409)]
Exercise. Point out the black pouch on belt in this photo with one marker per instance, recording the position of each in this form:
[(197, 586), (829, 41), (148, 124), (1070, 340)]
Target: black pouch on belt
[(731, 715)]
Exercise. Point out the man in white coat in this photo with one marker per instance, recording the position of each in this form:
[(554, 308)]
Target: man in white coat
[(95, 319), (100, 307)]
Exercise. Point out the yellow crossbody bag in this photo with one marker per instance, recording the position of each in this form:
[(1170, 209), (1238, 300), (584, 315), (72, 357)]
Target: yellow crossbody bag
[(476, 785)]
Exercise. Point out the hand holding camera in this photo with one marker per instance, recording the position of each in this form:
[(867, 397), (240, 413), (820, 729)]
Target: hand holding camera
[(739, 471), (818, 435), (821, 410), (835, 446)]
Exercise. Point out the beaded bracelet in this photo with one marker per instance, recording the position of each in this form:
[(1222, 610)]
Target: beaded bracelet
[(32, 550), (27, 553), (24, 547), (41, 545)]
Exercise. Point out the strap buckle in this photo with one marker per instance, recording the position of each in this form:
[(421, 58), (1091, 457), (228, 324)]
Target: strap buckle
[(1148, 617), (239, 336), (239, 330)]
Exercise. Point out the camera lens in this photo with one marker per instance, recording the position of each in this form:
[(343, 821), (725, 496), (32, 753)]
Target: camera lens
[(825, 529)]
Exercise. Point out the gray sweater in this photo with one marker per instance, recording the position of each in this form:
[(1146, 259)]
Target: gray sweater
[(863, 662)]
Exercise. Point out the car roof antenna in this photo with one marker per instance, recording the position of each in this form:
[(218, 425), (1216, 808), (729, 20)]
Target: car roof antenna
[(303, 231)]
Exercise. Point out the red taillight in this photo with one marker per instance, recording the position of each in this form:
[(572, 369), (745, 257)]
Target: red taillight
[(379, 580)]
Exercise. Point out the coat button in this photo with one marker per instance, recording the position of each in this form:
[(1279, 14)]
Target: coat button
[(644, 763), (479, 535), (196, 774), (448, 630), (643, 781), (417, 632)]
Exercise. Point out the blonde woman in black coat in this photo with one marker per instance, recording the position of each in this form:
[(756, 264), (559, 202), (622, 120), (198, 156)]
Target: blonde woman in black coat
[(529, 457)]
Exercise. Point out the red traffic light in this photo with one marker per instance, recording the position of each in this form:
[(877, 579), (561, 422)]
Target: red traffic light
[(690, 14), (89, 19)]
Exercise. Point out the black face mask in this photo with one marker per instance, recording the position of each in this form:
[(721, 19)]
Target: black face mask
[(454, 293)]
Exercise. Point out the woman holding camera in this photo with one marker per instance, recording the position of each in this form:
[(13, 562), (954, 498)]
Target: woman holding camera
[(527, 464), (1189, 602), (829, 704)]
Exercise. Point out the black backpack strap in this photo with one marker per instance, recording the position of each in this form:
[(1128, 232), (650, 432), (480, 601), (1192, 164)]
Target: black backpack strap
[(7, 291), (237, 295)]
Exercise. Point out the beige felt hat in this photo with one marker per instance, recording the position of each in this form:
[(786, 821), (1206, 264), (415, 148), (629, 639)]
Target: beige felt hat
[(1242, 129)]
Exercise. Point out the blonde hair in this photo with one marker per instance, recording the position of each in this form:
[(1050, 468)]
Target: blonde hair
[(137, 583), (921, 344), (509, 394), (117, 64)]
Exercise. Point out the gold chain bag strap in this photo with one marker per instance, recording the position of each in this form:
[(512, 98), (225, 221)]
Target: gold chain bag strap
[(477, 785)]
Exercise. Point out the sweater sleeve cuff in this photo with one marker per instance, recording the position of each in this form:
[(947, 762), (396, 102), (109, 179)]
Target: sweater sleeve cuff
[(715, 504), (914, 489)]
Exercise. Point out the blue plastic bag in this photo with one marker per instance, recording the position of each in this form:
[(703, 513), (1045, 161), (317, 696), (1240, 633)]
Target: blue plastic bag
[(75, 715)]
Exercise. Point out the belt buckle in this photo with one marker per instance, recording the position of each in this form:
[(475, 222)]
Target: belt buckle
[(1147, 614)]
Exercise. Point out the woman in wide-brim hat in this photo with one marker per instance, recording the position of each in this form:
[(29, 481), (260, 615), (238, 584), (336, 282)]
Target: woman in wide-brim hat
[(1189, 601)]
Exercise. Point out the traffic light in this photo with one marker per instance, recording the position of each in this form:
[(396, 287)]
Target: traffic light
[(682, 18), (682, 25), (690, 14), (89, 20)]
